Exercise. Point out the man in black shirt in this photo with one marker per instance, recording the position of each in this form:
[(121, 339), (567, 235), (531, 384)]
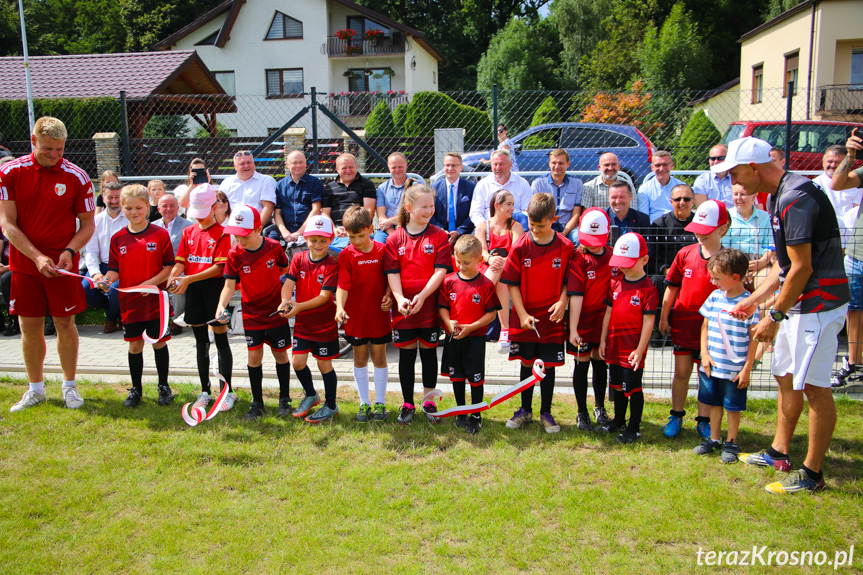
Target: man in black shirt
[(348, 189)]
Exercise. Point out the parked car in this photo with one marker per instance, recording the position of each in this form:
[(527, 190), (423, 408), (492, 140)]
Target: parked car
[(809, 138)]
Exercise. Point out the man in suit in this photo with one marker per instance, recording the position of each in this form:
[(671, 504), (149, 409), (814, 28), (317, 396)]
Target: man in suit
[(453, 197), (624, 219), (175, 225)]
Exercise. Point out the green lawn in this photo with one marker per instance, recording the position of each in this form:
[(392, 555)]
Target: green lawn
[(109, 490)]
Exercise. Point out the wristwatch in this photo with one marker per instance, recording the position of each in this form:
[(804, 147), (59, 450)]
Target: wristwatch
[(776, 315)]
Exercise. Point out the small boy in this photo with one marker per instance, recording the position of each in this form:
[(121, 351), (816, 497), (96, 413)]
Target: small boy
[(155, 189), (535, 272), (629, 317), (467, 303), (141, 254), (258, 263), (366, 324), (201, 256), (315, 275), (727, 352)]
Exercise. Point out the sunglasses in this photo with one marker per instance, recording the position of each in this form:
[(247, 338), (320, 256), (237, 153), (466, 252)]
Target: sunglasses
[(678, 200), (241, 154), (501, 131), (716, 158)]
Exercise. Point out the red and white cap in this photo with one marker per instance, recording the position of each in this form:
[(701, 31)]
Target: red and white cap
[(744, 151), (627, 250), (593, 228), (201, 201), (243, 221), (709, 216), (319, 226)]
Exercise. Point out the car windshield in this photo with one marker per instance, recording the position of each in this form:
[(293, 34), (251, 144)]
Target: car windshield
[(732, 133), (809, 138)]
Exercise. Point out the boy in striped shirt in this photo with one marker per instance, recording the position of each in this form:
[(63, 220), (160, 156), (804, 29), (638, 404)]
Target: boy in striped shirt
[(727, 352)]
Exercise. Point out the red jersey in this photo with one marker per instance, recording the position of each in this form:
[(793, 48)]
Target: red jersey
[(415, 258), (365, 273), (312, 277), (540, 271), (589, 277), (138, 257), (468, 300), (259, 274), (48, 201), (200, 249), (689, 272), (630, 301)]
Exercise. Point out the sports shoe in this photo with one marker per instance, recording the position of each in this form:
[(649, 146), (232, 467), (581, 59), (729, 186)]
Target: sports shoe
[(730, 452), (519, 418), (49, 328), (12, 328), (307, 404), (365, 413), (71, 396), (230, 401), (133, 399), (474, 424), (672, 428), (503, 340), (406, 414), (430, 409), (323, 414), (628, 436), (461, 421), (795, 482), (29, 399), (548, 422), (707, 446), (165, 395), (763, 459), (848, 373), (703, 429), (612, 427), (203, 400), (601, 416), (256, 411), (285, 406), (583, 422), (380, 412)]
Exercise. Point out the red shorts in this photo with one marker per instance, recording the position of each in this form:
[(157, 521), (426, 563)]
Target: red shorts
[(34, 295)]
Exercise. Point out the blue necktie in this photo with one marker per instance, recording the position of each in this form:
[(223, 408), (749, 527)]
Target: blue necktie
[(452, 207)]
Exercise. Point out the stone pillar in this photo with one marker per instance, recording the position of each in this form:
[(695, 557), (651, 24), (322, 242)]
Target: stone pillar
[(295, 139), (353, 148), (107, 153)]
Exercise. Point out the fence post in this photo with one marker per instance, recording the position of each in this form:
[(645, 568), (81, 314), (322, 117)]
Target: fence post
[(788, 123), (315, 159), (494, 115), (107, 152), (124, 125)]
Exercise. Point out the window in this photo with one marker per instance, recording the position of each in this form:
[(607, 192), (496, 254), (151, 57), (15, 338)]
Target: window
[(284, 27), (857, 66), (547, 138), (757, 83), (579, 137), (377, 81), (226, 80), (362, 25), (209, 40), (791, 65), (285, 83)]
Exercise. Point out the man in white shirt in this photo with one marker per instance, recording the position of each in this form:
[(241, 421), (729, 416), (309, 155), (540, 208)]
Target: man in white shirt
[(97, 252), (175, 225), (710, 186), (501, 178), (654, 195), (843, 200), (250, 188)]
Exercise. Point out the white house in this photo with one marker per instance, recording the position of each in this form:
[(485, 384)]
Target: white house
[(270, 53)]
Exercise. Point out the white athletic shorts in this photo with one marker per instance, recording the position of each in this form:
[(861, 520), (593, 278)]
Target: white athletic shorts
[(806, 346)]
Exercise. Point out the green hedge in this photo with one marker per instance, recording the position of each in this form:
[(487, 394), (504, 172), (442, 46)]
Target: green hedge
[(399, 115), (432, 110), (698, 137), (82, 117), (380, 123), (546, 113)]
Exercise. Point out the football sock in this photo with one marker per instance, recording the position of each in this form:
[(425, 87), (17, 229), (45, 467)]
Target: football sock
[(226, 358), (136, 369), (428, 358), (458, 392), (600, 381), (636, 407), (69, 383), (680, 413), (163, 360), (361, 376), (381, 376), (527, 394), (579, 384), (38, 387), (202, 345), (776, 454), (620, 404), (546, 390), (305, 377), (476, 393), (256, 383), (407, 363), (331, 385), (283, 372), (814, 476)]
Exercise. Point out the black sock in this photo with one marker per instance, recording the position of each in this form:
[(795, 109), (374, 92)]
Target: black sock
[(283, 372), (620, 404), (600, 381), (702, 419), (814, 476), (226, 358), (305, 377), (546, 390), (680, 413), (202, 346), (476, 393), (579, 384), (256, 382), (428, 358), (407, 365), (776, 454), (163, 360), (526, 395), (636, 407), (136, 369), (458, 392), (331, 386)]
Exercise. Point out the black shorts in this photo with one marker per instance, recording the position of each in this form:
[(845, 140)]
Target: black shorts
[(319, 349), (427, 335), (551, 354), (357, 341), (624, 379), (583, 349), (696, 353), (202, 299), (278, 338), (135, 330), (464, 359)]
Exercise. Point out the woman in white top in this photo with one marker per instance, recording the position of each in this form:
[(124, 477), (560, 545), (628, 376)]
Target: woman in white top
[(505, 144)]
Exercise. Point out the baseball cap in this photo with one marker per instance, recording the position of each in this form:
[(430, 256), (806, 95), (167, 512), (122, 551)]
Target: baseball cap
[(319, 226), (201, 201), (709, 216), (593, 228), (243, 221), (627, 250), (744, 151)]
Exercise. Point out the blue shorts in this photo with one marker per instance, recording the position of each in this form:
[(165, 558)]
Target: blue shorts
[(854, 271), (720, 392)]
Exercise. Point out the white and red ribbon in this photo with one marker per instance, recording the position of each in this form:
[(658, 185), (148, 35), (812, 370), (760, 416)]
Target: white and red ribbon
[(199, 414)]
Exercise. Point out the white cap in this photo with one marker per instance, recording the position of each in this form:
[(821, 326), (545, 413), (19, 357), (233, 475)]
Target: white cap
[(709, 216), (319, 226), (201, 201), (593, 228), (744, 151), (243, 221), (628, 249)]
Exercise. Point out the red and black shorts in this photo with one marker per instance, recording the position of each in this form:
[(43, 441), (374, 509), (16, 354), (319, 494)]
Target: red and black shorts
[(278, 338), (135, 330), (38, 295), (551, 354), (359, 341), (202, 299), (464, 359), (321, 350), (624, 379), (583, 349), (427, 335)]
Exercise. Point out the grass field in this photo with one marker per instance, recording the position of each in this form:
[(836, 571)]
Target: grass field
[(109, 490)]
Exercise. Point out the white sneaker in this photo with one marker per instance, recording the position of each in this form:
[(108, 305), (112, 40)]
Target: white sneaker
[(202, 401), (72, 398), (230, 400), (179, 320), (29, 399)]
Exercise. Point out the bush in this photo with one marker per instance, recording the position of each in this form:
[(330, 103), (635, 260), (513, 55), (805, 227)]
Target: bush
[(222, 131), (166, 127), (698, 137), (546, 113), (431, 110), (380, 123), (83, 117), (399, 115)]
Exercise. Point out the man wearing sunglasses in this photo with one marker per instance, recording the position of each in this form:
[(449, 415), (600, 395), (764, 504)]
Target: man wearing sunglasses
[(714, 186), (248, 187), (669, 236)]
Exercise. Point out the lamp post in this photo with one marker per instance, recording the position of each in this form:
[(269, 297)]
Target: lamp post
[(30, 113)]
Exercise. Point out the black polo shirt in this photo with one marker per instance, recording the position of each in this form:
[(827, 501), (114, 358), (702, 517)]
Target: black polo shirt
[(340, 197)]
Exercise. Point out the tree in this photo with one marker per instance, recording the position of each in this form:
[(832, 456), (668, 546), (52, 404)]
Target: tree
[(675, 57), (380, 123), (777, 7), (698, 137), (546, 113), (222, 131), (630, 107), (167, 127), (579, 28), (522, 57)]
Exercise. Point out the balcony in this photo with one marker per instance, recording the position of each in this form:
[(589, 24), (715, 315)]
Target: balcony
[(352, 104), (840, 101), (389, 44)]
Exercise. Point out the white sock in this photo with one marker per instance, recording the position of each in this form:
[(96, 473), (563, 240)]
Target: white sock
[(69, 383), (361, 376), (38, 387), (381, 376)]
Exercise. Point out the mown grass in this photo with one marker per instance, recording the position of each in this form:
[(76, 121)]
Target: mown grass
[(109, 490)]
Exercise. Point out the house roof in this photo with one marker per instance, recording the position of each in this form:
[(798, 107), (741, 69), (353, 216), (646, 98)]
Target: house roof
[(716, 91), (805, 5), (140, 74), (235, 5)]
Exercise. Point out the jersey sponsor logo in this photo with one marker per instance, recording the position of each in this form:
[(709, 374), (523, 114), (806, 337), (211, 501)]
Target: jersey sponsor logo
[(635, 300), (433, 337), (395, 335), (477, 377), (560, 356), (191, 242), (452, 296), (687, 273), (614, 296), (401, 250), (774, 221), (513, 348), (294, 342), (302, 274), (122, 250), (363, 262), (591, 275), (59, 189), (321, 279), (475, 298), (249, 340), (247, 270), (452, 372), (270, 264), (428, 249), (322, 350), (200, 259), (526, 262), (555, 263), (151, 246), (281, 343)]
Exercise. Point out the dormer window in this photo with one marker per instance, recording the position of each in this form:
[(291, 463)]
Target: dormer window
[(209, 40), (284, 27)]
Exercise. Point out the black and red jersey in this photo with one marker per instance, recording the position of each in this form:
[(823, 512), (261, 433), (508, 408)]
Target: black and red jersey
[(468, 300), (689, 272), (258, 273), (364, 274), (630, 301), (138, 257), (589, 277), (200, 249), (311, 278)]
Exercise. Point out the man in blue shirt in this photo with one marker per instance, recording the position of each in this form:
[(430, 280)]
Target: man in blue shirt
[(714, 186), (298, 197), (452, 199), (567, 191), (654, 195), (389, 195), (623, 218)]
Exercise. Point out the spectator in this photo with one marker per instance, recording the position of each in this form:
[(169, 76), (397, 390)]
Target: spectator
[(654, 195), (11, 326), (623, 218), (348, 189), (505, 144), (97, 253), (502, 177), (596, 190), (453, 197), (298, 197), (248, 187), (107, 176), (777, 156), (155, 189), (750, 232), (174, 224), (389, 195), (842, 200), (710, 186), (223, 208), (183, 190), (669, 235), (566, 190)]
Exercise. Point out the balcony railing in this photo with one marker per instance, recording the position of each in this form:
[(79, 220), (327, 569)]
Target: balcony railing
[(388, 44), (362, 103), (841, 99)]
